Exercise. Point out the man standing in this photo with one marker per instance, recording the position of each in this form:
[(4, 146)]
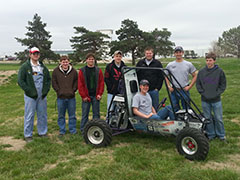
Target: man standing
[(211, 83), (181, 69), (34, 79), (64, 82), (154, 77), (142, 105), (90, 87), (112, 76)]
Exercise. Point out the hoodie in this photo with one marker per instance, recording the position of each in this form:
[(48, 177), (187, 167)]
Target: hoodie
[(211, 83), (112, 76), (65, 83)]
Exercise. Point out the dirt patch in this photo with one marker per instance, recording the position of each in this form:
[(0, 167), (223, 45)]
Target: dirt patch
[(91, 159), (94, 157), (122, 144), (236, 120), (48, 167), (233, 163), (238, 142), (4, 75), (16, 144)]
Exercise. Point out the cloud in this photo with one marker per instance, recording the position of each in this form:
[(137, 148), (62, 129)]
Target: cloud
[(193, 23)]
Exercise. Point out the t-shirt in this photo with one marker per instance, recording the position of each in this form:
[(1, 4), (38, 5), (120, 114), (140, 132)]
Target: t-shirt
[(143, 103), (181, 71), (91, 80)]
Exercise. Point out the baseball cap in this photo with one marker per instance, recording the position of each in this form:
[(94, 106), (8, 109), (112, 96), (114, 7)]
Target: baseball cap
[(178, 48), (34, 49), (144, 82), (117, 52)]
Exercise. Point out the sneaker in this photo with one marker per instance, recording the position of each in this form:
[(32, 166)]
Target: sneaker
[(43, 135), (224, 141), (28, 139)]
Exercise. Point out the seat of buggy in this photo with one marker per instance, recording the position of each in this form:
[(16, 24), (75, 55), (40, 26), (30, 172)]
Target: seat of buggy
[(132, 87)]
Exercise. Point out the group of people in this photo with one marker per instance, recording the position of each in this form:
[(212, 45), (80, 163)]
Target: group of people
[(210, 83), (35, 80)]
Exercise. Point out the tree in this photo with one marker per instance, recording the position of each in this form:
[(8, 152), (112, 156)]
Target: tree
[(133, 40), (88, 41), (37, 36), (230, 41), (193, 54), (159, 41), (187, 54), (129, 39), (216, 49)]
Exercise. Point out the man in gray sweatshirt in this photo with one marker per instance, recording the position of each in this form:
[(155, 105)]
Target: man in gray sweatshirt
[(211, 83)]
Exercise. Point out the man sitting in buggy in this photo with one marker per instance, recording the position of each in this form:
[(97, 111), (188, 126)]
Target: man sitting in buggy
[(142, 105)]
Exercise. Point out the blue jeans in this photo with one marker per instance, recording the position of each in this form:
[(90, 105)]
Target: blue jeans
[(31, 106), (216, 127), (176, 97), (86, 108), (155, 98), (164, 113), (70, 106)]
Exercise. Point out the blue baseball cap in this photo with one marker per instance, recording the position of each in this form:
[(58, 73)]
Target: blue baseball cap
[(178, 48)]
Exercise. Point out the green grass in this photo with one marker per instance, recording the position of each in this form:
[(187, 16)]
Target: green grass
[(130, 156)]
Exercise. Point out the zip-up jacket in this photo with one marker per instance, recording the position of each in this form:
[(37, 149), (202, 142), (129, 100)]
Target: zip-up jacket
[(65, 84), (112, 76), (211, 83), (154, 77), (26, 82), (82, 83)]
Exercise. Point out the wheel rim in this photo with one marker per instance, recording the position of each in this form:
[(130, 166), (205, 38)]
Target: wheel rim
[(189, 145), (95, 135)]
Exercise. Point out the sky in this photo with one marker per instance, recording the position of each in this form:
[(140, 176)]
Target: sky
[(194, 24)]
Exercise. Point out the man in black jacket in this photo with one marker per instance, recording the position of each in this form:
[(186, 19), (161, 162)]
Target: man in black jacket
[(112, 76), (154, 77)]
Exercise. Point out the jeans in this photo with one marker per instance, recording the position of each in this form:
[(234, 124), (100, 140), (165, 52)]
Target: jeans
[(176, 97), (216, 127), (70, 106), (31, 106), (164, 113), (155, 98), (85, 111)]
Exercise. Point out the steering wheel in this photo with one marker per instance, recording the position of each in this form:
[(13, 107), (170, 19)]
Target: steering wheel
[(161, 104)]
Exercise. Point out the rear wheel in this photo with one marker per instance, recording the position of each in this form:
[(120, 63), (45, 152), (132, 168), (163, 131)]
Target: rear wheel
[(192, 144), (98, 133)]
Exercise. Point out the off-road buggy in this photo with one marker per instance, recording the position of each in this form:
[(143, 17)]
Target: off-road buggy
[(188, 126)]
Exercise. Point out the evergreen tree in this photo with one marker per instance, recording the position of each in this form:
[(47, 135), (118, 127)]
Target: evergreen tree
[(129, 39), (37, 36), (88, 42), (133, 40), (230, 41)]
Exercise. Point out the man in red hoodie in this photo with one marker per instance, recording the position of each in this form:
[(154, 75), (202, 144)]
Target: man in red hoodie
[(90, 88)]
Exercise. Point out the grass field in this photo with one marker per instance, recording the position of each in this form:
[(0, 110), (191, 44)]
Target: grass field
[(130, 156)]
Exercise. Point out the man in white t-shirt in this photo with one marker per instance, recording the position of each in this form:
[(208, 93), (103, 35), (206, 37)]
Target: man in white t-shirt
[(142, 105), (181, 69)]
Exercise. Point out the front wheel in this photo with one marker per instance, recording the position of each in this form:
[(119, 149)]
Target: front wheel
[(98, 133), (192, 144)]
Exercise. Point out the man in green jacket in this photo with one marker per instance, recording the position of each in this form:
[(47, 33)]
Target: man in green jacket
[(34, 79)]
